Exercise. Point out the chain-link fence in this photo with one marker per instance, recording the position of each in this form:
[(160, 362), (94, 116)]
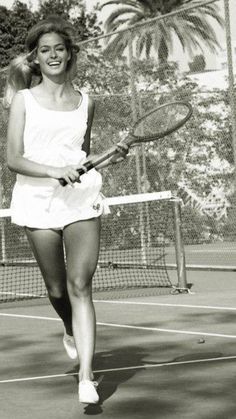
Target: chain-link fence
[(186, 55)]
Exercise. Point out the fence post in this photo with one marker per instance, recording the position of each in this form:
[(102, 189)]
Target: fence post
[(134, 106), (231, 79), (182, 286)]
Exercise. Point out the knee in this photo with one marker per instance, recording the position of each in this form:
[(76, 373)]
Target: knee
[(56, 291), (79, 285)]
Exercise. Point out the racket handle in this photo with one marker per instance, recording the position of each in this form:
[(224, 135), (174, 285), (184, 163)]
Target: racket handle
[(87, 166)]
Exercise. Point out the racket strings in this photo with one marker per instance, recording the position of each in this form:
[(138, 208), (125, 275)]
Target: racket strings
[(160, 121)]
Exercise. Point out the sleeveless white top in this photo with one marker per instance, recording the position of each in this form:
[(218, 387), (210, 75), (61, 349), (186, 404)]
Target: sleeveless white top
[(55, 138)]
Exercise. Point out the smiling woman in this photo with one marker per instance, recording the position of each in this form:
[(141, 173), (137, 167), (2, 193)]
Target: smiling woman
[(54, 60), (49, 141), (24, 68)]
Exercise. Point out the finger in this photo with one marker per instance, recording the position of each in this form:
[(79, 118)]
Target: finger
[(122, 148), (78, 180), (119, 160), (84, 168), (67, 180), (73, 175)]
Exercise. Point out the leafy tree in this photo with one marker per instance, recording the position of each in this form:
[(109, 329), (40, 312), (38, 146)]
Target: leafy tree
[(86, 25), (98, 74), (198, 156), (14, 26), (192, 27)]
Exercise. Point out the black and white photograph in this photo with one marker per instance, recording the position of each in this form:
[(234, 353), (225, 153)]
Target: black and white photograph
[(117, 209)]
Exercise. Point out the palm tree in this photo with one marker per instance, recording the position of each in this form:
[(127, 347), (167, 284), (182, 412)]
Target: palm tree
[(192, 27)]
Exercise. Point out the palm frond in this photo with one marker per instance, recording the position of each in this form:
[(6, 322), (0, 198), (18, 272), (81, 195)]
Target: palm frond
[(132, 3), (118, 17), (116, 47), (191, 27)]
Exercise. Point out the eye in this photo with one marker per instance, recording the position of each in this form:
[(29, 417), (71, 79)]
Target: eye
[(44, 50)]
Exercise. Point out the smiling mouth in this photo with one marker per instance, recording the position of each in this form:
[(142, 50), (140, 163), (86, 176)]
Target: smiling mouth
[(54, 63)]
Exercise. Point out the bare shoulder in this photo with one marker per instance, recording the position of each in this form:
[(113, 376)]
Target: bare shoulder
[(36, 90)]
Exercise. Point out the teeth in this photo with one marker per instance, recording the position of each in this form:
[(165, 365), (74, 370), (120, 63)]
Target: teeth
[(54, 63)]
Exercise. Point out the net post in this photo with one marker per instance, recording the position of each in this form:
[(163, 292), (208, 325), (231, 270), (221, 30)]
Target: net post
[(3, 241), (2, 223), (182, 286)]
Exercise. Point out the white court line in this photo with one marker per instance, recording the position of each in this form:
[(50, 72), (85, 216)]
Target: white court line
[(136, 367), (164, 304), (227, 250), (126, 326), (18, 294), (26, 316), (157, 329), (189, 251)]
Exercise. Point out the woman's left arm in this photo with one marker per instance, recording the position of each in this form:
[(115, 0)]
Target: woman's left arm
[(87, 137)]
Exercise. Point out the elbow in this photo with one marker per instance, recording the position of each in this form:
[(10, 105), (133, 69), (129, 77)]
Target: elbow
[(11, 163), (11, 167)]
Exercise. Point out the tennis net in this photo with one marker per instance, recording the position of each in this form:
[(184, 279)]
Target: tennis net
[(132, 254)]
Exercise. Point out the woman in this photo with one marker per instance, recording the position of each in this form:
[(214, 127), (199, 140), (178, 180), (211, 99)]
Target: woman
[(48, 140)]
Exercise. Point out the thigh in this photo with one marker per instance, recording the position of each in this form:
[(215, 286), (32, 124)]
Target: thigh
[(47, 246), (82, 241)]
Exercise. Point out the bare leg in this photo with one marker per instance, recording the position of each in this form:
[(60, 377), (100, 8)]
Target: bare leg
[(82, 241), (47, 246)]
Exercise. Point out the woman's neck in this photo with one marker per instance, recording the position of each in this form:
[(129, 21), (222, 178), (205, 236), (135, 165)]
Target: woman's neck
[(54, 88)]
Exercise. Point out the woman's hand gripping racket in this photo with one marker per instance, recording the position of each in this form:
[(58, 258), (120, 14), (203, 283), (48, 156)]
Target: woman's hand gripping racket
[(155, 124)]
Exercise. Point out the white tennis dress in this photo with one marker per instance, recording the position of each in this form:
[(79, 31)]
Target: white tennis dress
[(55, 138)]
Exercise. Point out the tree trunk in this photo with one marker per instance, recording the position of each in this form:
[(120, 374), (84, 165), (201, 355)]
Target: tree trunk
[(163, 54)]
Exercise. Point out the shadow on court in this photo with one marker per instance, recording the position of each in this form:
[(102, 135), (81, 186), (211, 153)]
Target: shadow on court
[(110, 381)]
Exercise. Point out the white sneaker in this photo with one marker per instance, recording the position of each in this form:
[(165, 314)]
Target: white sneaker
[(69, 345), (87, 392)]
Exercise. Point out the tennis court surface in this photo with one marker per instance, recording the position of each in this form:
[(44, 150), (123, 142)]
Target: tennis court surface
[(166, 356)]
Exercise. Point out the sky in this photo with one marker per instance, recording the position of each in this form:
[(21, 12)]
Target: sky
[(34, 3)]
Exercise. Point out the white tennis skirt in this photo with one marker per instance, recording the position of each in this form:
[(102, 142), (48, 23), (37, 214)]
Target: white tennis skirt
[(43, 203)]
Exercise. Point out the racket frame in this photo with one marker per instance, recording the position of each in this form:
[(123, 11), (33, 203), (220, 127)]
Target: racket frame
[(155, 136)]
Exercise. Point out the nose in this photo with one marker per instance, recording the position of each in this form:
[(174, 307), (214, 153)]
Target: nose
[(53, 53)]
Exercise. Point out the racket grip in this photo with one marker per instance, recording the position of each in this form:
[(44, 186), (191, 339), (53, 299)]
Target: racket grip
[(86, 167)]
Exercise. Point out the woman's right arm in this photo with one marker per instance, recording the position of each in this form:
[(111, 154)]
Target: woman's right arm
[(15, 145), (15, 148)]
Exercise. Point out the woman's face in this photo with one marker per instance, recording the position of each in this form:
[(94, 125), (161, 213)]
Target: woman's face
[(52, 55)]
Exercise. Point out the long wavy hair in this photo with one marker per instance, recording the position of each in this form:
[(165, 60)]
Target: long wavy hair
[(23, 71)]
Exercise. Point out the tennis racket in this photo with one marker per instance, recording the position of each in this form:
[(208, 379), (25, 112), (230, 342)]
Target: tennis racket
[(153, 125)]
